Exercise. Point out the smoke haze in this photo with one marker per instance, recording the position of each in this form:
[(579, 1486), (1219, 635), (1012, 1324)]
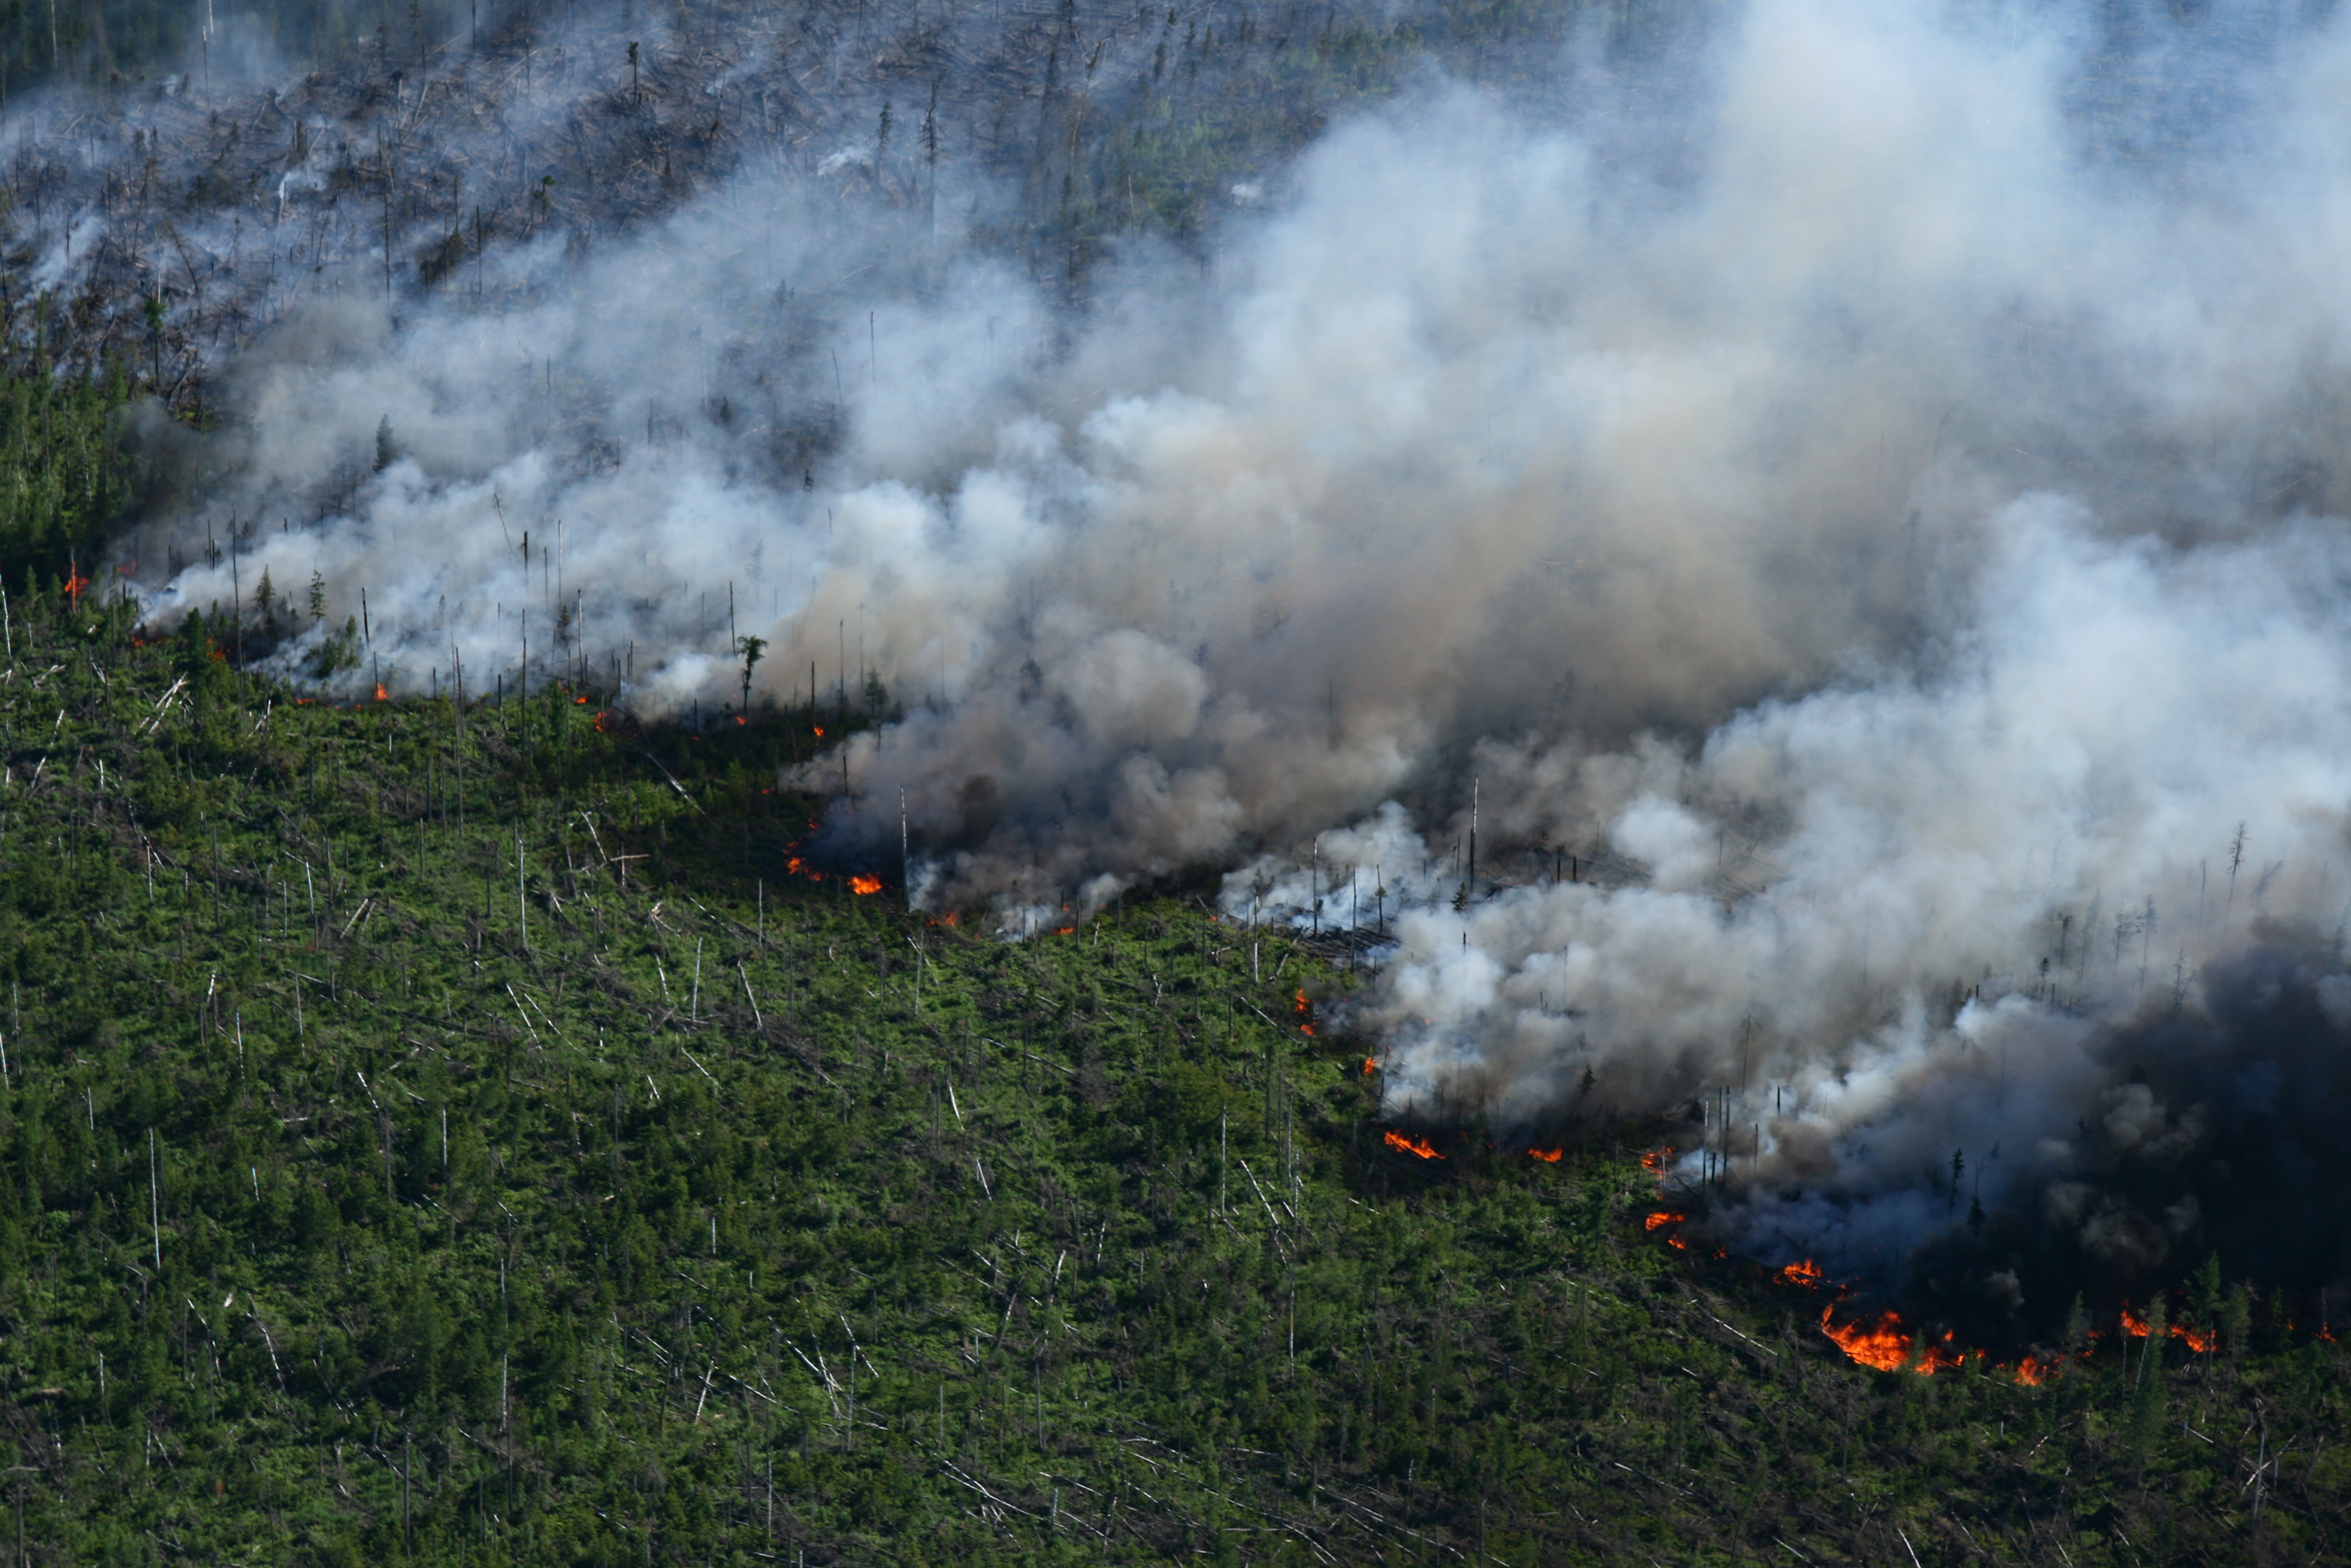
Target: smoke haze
[(1856, 478)]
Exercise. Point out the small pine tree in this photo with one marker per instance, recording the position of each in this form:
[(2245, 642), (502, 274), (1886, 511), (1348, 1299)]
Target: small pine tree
[(2158, 1329), (753, 650), (265, 599), (2237, 1322), (2206, 1301), (318, 597)]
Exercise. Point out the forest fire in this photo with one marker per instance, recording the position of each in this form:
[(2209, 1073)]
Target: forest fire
[(1548, 1156), (1663, 1217), (75, 583), (2200, 1341), (1881, 1343), (1410, 1145), (863, 886), (379, 693), (1371, 1065), (1657, 1161), (1804, 1272)]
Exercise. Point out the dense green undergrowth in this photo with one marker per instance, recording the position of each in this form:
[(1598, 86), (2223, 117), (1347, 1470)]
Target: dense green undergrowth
[(457, 1136)]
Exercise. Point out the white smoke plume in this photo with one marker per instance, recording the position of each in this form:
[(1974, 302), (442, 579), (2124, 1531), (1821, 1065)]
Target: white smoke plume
[(1858, 473)]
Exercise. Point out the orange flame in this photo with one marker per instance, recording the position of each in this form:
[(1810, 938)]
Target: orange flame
[(1370, 1066), (1420, 1146), (1548, 1156), (379, 693), (1656, 1161), (580, 700), (820, 730), (1881, 1343), (1302, 1003), (1804, 1272), (863, 884), (1662, 1218), (2032, 1371), (2198, 1340), (75, 583)]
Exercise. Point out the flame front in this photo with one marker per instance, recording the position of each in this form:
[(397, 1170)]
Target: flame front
[(863, 884), (1804, 1272), (1421, 1146), (1657, 1162), (1662, 1218), (1548, 1156), (379, 693), (1881, 1343), (2200, 1341)]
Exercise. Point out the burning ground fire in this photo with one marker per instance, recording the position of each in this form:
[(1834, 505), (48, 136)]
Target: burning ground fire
[(1880, 1340), (2200, 1341), (1410, 1145)]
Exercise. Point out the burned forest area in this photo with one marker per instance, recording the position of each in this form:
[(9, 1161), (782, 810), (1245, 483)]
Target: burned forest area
[(560, 1103)]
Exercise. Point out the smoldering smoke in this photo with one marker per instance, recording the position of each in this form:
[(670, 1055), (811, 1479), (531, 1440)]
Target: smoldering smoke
[(1861, 477)]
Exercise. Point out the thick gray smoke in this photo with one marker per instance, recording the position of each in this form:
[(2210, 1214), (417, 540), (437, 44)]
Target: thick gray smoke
[(1939, 912), (1860, 477)]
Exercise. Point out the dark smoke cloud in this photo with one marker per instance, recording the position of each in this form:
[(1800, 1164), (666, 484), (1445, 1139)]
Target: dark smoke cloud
[(2216, 1133)]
